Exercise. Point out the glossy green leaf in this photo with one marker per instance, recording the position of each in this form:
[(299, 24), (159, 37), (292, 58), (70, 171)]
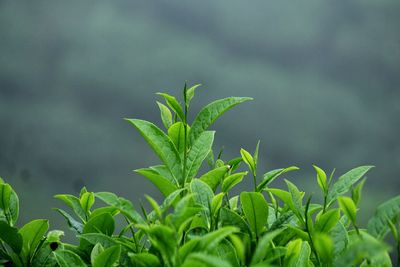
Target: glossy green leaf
[(173, 103), (87, 201), (145, 260), (32, 233), (177, 134), (347, 205), (232, 180), (270, 176), (255, 208), (297, 254), (72, 223), (107, 257), (162, 146), (340, 239), (210, 113), (66, 258), (202, 193), (390, 210), (248, 159), (5, 195), (74, 203), (97, 249), (166, 115), (214, 177), (204, 260), (228, 217), (327, 221), (296, 199), (321, 179), (94, 238), (165, 186), (345, 182), (190, 93), (10, 236), (102, 223), (198, 152), (216, 203), (357, 191)]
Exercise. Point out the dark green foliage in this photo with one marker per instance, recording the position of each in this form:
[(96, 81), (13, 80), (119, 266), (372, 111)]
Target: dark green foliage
[(200, 222)]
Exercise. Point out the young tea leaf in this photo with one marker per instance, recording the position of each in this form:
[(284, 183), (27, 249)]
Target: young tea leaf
[(390, 210), (232, 180), (255, 209), (321, 179), (165, 186), (173, 104), (347, 205), (272, 175), (166, 115), (214, 177), (66, 258), (249, 160), (108, 257)]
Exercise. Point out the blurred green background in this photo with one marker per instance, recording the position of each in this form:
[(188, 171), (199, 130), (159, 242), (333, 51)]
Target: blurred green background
[(325, 76)]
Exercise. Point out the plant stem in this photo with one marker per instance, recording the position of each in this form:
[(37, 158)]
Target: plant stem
[(185, 137)]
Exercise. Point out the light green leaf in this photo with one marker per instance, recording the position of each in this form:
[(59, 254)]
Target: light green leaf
[(324, 246), (214, 177), (72, 223), (204, 260), (345, 182), (232, 180), (347, 205), (255, 208), (297, 254), (327, 221), (165, 186), (248, 159), (162, 146), (216, 203), (296, 199), (144, 260), (173, 104), (97, 249), (272, 175), (166, 115), (177, 134), (209, 242), (210, 113), (390, 210), (87, 201), (198, 152), (94, 238), (190, 93), (340, 239), (32, 233), (321, 178), (108, 257), (356, 192), (74, 203), (229, 217)]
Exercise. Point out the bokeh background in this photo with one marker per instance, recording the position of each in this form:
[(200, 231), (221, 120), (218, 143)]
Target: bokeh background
[(324, 75)]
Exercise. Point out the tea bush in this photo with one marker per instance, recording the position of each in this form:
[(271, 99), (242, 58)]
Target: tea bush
[(201, 222)]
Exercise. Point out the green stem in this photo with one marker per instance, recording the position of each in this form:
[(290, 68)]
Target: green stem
[(185, 138)]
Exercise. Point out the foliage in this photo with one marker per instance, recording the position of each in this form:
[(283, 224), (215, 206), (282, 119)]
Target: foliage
[(201, 222)]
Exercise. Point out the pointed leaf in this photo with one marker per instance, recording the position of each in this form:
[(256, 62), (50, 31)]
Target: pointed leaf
[(321, 178), (32, 233), (214, 177), (162, 146), (66, 258), (248, 159), (347, 205), (108, 257), (255, 208), (165, 186), (272, 175), (263, 246), (166, 115), (390, 210), (102, 223), (327, 221), (232, 180), (210, 113), (173, 104)]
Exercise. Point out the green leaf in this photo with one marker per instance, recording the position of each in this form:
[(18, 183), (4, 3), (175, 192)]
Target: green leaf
[(210, 113), (154, 205), (198, 152), (14, 207), (102, 223), (209, 242), (72, 223), (173, 104), (232, 180), (327, 221), (97, 249), (356, 192), (108, 257), (216, 203), (144, 260), (5, 195), (177, 134), (87, 201), (340, 239), (390, 210), (94, 238), (229, 217), (297, 254), (321, 179), (74, 203), (162, 146), (255, 208), (296, 199), (165, 186), (263, 246), (345, 182), (204, 260), (190, 93), (166, 115), (324, 246), (202, 193), (214, 177), (249, 160), (10, 236), (66, 258), (347, 205), (272, 175), (124, 205), (32, 233)]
